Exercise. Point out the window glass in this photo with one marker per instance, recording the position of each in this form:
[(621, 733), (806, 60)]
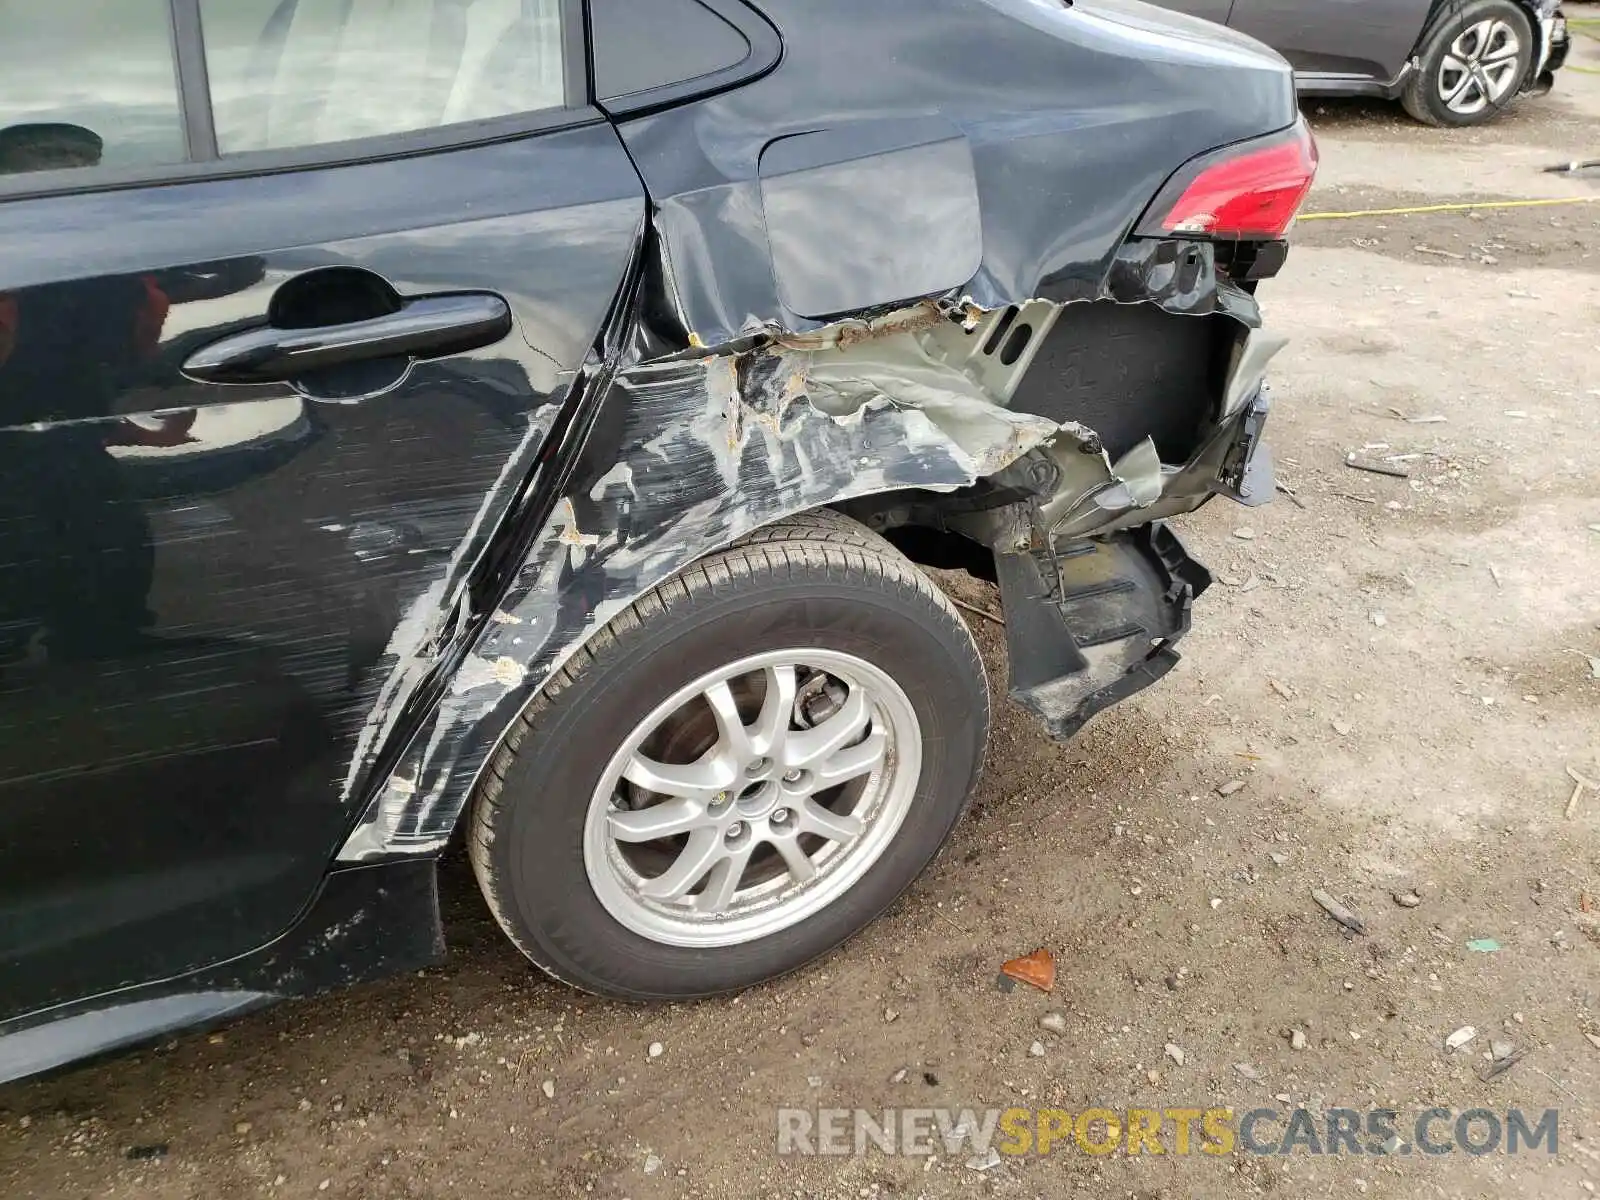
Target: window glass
[(304, 72), (87, 83), (641, 46)]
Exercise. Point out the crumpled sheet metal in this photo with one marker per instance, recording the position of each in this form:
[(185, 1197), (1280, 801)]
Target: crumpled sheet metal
[(693, 451), (1140, 487)]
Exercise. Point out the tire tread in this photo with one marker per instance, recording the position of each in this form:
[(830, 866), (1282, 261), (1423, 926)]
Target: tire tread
[(817, 541)]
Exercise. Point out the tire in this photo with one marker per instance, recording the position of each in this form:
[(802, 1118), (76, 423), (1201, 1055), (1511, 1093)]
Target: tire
[(541, 840), (1478, 32)]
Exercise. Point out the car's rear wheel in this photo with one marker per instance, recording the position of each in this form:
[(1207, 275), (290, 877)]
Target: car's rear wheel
[(738, 773), (1472, 63)]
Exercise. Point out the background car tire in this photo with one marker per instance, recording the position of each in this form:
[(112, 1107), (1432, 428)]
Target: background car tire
[(1451, 39), (819, 581)]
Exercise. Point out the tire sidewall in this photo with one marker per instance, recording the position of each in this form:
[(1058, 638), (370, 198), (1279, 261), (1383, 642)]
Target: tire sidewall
[(549, 784)]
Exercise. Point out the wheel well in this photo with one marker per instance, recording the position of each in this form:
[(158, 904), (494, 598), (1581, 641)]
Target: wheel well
[(913, 523), (1442, 9)]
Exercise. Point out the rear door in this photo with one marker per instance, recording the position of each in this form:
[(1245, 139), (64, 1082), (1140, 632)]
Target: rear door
[(289, 293), (1368, 39)]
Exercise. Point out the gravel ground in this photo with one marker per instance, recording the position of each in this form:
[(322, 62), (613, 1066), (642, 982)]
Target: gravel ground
[(1394, 669)]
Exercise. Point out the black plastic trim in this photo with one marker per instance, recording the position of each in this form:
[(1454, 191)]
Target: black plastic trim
[(278, 162), (1322, 83), (766, 52)]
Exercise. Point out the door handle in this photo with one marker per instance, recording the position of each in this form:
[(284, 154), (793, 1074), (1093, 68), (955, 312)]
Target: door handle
[(425, 327)]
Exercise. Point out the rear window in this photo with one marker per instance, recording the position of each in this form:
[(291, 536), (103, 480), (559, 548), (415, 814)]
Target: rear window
[(87, 84)]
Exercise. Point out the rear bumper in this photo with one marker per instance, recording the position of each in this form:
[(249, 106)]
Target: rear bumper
[(1555, 44), (1092, 620), (1095, 622)]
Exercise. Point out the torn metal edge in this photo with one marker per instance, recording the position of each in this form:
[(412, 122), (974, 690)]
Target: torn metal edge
[(677, 455)]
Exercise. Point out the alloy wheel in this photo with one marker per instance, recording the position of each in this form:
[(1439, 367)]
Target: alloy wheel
[(752, 798), (1480, 68)]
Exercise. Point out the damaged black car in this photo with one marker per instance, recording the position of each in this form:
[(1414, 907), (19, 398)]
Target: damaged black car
[(521, 422)]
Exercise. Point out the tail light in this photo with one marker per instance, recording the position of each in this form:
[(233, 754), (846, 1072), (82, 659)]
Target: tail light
[(1247, 192)]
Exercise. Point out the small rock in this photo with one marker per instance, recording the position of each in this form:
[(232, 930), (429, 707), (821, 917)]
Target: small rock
[(1407, 899), (1279, 859), (304, 1105), (1517, 1017), (1499, 1049), (1460, 1037), (984, 1162), (1343, 728), (1594, 1039), (242, 1127), (814, 1081), (1379, 620), (900, 1075), (652, 1163), (1247, 1071), (1175, 1053), (1232, 787), (1339, 912), (548, 1087), (1245, 534), (890, 1016), (324, 1185), (1216, 903), (1036, 1050), (1055, 1022), (656, 1050), (1297, 1039)]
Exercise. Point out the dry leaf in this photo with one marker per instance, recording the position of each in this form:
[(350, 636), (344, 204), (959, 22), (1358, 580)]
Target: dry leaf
[(1036, 970)]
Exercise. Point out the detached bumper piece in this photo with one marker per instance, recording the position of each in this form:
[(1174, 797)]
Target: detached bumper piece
[(1557, 45), (1094, 622)]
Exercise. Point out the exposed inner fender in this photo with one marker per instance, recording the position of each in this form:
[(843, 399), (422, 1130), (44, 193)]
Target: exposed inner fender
[(691, 450)]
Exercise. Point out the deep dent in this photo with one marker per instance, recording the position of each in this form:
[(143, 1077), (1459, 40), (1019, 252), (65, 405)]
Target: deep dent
[(695, 448)]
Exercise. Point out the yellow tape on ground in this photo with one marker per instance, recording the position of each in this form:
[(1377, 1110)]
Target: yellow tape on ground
[(1433, 208)]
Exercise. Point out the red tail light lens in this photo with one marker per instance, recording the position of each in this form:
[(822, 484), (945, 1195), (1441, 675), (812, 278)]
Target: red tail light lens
[(1250, 192)]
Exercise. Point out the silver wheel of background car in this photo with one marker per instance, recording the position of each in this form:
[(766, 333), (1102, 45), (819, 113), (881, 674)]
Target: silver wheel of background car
[(752, 798), (1480, 68)]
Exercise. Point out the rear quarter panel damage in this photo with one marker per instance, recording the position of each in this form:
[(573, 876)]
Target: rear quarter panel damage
[(746, 384)]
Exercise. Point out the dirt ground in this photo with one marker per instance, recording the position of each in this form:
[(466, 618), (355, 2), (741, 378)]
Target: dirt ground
[(1395, 669)]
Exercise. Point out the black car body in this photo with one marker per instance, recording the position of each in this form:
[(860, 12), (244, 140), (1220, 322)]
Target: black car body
[(334, 449)]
